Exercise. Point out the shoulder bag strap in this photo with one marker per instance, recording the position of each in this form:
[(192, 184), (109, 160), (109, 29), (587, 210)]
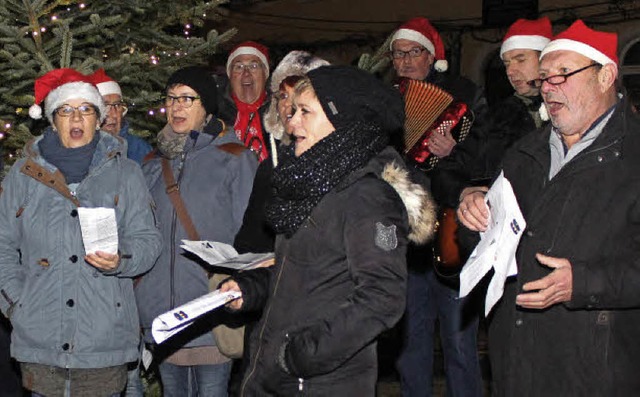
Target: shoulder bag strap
[(173, 191)]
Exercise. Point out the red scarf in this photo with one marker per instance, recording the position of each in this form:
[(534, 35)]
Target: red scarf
[(248, 127)]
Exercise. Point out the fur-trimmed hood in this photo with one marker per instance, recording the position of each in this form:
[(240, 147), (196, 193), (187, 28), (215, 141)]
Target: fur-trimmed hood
[(421, 208)]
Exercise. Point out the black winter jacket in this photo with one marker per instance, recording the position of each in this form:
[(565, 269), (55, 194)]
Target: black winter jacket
[(588, 213), (333, 289)]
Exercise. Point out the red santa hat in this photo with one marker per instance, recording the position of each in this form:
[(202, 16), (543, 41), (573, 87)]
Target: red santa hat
[(105, 84), (421, 31), (527, 34), (602, 47), (60, 85), (249, 48)]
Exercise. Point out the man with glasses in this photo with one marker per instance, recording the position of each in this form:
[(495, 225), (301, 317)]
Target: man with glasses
[(418, 53), (567, 324), (114, 123), (245, 99)]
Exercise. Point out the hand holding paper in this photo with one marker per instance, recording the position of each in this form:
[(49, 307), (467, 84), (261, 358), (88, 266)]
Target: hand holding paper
[(498, 244)]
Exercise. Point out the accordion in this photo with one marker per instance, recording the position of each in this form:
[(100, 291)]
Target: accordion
[(430, 109)]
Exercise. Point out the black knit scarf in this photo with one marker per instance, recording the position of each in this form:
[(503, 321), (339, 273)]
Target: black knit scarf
[(300, 183), (72, 162)]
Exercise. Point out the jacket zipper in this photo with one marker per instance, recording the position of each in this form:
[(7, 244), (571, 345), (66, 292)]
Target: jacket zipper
[(183, 157), (264, 325)]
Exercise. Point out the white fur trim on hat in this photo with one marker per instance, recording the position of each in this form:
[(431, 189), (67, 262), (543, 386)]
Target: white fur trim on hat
[(247, 51), (35, 112), (108, 88), (409, 34), (579, 47), (441, 65), (74, 90), (524, 42)]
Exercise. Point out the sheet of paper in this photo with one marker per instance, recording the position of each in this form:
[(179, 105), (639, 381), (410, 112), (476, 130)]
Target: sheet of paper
[(498, 244), (223, 255), (99, 229), (170, 323)]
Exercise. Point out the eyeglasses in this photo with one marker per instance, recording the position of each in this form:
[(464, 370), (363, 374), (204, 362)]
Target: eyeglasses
[(184, 100), (67, 110), (558, 78), (252, 67), (413, 53), (117, 106)]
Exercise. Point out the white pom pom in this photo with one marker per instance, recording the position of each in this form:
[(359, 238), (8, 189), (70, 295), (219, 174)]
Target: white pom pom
[(544, 116), (441, 65), (35, 112)]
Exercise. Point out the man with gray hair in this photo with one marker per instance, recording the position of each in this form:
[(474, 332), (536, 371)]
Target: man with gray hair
[(567, 324)]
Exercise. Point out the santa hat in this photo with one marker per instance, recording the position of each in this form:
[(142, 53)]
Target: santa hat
[(249, 48), (421, 31), (599, 46), (105, 84), (527, 34), (60, 85)]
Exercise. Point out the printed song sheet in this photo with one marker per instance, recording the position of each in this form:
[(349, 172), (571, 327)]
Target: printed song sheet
[(170, 323), (224, 255), (99, 229), (498, 244)]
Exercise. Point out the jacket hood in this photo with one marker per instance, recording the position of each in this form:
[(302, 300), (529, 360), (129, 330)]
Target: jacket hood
[(421, 208)]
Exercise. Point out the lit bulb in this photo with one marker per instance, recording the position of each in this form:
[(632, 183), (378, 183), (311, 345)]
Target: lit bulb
[(187, 26), (1, 135), (82, 6), (7, 126), (43, 29), (35, 33), (151, 113), (54, 18), (163, 110)]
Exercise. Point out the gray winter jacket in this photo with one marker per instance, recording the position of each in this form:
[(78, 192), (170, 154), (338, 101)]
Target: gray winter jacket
[(215, 185), (65, 312)]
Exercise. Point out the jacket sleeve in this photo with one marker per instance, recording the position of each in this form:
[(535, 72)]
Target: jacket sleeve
[(610, 281), (254, 285), (11, 273), (375, 241), (139, 238)]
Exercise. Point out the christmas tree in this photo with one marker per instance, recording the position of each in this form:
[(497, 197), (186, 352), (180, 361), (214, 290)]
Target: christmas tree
[(138, 42)]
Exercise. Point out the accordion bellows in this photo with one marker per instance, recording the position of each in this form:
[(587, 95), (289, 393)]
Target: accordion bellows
[(424, 103)]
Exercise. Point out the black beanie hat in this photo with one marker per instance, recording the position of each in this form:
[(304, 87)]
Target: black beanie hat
[(201, 81), (349, 94)]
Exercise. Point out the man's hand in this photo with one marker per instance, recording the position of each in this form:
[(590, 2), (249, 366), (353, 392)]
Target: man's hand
[(552, 289), (103, 261), (472, 211), (231, 285), (441, 145)]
